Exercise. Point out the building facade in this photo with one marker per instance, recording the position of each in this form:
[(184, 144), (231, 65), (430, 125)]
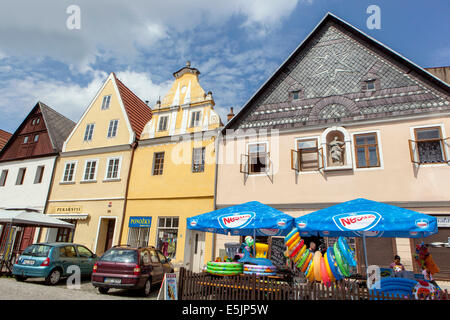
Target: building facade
[(173, 172), (91, 176), (343, 117), (26, 166)]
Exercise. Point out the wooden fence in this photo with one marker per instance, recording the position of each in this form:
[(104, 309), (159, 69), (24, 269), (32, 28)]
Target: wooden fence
[(204, 286)]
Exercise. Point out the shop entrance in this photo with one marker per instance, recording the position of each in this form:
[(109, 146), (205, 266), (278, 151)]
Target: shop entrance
[(105, 234), (198, 250)]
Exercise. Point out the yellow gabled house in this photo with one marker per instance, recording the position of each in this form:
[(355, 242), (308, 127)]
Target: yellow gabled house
[(173, 172), (90, 179)]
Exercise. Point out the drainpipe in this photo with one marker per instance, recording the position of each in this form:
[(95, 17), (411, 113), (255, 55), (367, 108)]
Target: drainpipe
[(217, 145), (50, 186), (133, 148)]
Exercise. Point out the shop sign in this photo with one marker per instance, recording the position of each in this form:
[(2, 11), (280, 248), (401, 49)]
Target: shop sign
[(236, 220), (140, 222), (67, 209), (443, 221)]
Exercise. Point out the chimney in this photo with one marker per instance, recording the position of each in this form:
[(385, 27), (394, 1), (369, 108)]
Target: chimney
[(146, 102), (230, 115)]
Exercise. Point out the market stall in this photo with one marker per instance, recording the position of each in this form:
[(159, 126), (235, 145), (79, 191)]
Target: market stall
[(356, 218), (249, 219), (10, 218)]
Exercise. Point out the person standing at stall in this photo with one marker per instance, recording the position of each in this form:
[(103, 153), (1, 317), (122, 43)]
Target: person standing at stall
[(397, 266)]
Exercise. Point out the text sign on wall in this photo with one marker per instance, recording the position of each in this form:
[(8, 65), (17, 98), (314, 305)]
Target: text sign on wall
[(67, 209), (277, 252), (140, 222), (443, 221)]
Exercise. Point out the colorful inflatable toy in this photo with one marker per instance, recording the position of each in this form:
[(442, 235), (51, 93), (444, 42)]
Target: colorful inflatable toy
[(260, 270), (323, 272), (333, 264), (224, 268), (342, 264), (347, 252), (424, 259), (248, 259), (316, 269)]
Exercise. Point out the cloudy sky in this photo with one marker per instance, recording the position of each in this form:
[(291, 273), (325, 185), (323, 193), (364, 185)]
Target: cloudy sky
[(236, 45)]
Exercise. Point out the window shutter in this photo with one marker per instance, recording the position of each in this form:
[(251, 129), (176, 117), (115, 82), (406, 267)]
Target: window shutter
[(320, 158), (444, 149), (244, 163)]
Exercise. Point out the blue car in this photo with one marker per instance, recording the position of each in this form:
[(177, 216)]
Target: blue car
[(52, 260)]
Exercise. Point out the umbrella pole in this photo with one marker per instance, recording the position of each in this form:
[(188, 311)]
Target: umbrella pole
[(254, 242), (365, 251)]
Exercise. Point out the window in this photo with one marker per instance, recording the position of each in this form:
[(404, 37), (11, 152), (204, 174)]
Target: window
[(37, 121), (21, 176), (162, 125), (429, 146), (366, 150), (66, 235), (162, 258), (105, 102), (307, 156), (67, 251), (195, 119), (25, 139), (3, 178), (369, 85), (198, 159), (257, 159), (89, 132), (84, 252), (295, 95), (33, 122), (153, 256), (138, 237), (69, 172), (90, 170), (112, 129), (39, 174), (158, 163), (113, 168), (36, 138), (167, 235)]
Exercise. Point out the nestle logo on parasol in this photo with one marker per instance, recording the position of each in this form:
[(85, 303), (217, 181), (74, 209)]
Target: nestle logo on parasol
[(357, 221), (237, 220)]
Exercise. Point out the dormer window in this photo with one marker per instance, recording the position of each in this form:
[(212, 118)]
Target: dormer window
[(112, 129), (195, 119), (105, 103), (25, 140), (296, 95), (36, 138), (369, 85)]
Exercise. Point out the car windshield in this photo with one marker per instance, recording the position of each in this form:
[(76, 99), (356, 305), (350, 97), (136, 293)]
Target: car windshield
[(120, 255), (37, 250)]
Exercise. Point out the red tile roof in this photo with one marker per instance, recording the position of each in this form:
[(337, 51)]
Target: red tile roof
[(139, 113), (4, 137)]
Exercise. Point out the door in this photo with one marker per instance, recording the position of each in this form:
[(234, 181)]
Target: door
[(27, 238), (198, 250), (109, 234)]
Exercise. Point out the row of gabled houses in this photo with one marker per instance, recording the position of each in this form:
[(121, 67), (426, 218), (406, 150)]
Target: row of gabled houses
[(343, 117)]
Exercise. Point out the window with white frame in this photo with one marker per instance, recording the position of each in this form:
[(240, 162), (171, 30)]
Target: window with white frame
[(307, 156), (112, 128), (113, 168), (429, 146), (198, 160), (257, 159), (88, 133), (105, 102), (39, 174), (138, 237), (167, 235), (367, 154), (90, 170), (162, 124), (196, 119), (69, 172)]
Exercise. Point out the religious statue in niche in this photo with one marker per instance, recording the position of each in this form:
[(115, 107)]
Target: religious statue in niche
[(337, 151)]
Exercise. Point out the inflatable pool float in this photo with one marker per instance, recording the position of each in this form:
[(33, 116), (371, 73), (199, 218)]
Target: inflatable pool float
[(327, 268), (299, 254), (308, 261), (224, 268), (316, 269), (348, 253), (302, 259), (260, 273), (424, 290), (323, 272), (296, 249), (310, 271), (333, 264), (260, 270), (225, 273), (290, 235), (395, 286), (249, 260), (293, 241), (342, 264), (224, 264)]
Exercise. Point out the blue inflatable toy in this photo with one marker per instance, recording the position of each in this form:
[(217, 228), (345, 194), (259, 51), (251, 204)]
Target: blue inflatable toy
[(259, 261), (395, 286), (333, 265), (348, 253)]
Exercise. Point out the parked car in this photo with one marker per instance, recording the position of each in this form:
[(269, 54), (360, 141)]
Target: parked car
[(124, 267), (52, 260)]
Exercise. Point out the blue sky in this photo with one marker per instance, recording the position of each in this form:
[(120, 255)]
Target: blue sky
[(236, 45)]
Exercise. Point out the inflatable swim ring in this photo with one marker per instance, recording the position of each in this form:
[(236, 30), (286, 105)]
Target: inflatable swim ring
[(342, 264), (290, 234), (293, 240), (296, 249), (303, 259), (260, 273), (317, 259), (225, 273), (333, 264), (327, 267), (323, 272), (223, 264), (309, 272), (308, 261), (346, 251), (300, 254)]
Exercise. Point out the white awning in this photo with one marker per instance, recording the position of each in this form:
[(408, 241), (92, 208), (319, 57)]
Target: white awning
[(76, 216), (25, 217)]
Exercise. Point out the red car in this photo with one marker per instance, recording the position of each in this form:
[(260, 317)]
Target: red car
[(124, 267)]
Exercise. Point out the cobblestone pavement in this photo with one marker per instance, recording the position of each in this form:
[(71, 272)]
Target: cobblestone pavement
[(36, 289)]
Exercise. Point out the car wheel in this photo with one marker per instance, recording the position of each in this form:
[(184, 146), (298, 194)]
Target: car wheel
[(20, 278), (53, 278), (147, 288), (103, 290)]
